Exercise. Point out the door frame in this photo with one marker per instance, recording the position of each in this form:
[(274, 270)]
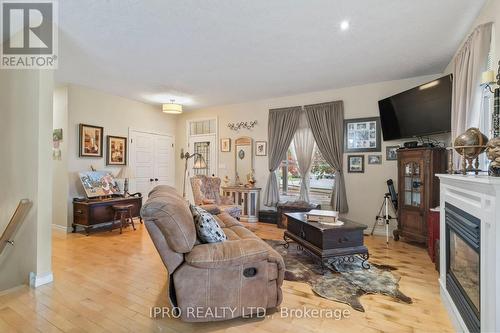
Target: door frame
[(130, 145)]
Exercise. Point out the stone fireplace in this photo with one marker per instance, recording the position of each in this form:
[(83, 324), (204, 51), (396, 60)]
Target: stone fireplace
[(470, 245)]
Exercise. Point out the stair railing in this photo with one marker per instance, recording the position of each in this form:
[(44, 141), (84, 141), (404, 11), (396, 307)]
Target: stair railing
[(15, 222)]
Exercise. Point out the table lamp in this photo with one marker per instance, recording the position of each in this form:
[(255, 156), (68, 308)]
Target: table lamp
[(126, 173)]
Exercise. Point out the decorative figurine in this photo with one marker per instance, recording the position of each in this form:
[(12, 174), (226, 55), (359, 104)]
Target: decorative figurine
[(226, 181), (237, 180), (251, 179), (493, 153), (469, 145)]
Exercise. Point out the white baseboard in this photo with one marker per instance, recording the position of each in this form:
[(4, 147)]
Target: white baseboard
[(61, 228), (11, 290), (39, 280)]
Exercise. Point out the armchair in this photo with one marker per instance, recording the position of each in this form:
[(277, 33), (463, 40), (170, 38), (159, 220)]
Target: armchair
[(206, 192)]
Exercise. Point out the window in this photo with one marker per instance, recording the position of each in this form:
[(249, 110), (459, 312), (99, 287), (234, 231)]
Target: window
[(321, 177), (203, 148), (202, 127), (485, 121)]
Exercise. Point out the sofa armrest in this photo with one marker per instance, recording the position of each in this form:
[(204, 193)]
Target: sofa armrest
[(228, 253), (226, 221)]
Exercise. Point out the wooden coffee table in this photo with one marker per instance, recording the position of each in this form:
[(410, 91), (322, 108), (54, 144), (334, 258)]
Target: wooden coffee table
[(327, 242)]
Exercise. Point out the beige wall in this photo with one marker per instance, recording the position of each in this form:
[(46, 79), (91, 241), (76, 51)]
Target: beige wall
[(116, 115), (25, 171), (489, 13), (60, 167), (365, 191)]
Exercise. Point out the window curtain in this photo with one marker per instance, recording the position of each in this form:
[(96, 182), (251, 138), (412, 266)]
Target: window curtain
[(327, 125), (469, 63), (282, 125), (303, 143)]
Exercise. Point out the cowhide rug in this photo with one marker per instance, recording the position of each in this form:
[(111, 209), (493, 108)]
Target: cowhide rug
[(345, 282)]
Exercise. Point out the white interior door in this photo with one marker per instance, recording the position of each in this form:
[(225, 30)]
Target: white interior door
[(152, 159), (164, 170)]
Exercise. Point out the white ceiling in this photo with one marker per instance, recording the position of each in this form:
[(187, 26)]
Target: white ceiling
[(207, 53)]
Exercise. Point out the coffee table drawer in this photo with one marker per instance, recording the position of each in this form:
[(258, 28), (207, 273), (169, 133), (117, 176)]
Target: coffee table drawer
[(332, 238), (343, 239), (306, 232)]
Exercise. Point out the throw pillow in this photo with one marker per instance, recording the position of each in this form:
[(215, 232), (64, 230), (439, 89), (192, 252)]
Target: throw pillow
[(207, 228)]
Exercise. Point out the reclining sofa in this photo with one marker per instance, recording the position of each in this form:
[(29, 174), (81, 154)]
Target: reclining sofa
[(218, 281)]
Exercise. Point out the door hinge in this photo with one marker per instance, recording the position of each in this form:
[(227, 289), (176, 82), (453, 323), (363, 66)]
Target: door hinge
[(172, 145), (131, 140)]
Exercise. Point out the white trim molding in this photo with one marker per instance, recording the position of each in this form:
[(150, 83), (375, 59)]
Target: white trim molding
[(61, 228), (478, 196), (39, 280)]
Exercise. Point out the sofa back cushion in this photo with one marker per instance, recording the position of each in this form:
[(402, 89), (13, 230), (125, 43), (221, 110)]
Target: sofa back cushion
[(171, 214)]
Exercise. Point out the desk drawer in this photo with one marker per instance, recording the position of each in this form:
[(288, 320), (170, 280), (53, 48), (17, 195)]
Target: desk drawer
[(80, 215)]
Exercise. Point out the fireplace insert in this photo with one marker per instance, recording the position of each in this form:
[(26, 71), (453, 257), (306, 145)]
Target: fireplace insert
[(463, 264)]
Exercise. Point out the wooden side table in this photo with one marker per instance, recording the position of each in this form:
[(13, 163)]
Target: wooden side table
[(91, 213), (248, 198)]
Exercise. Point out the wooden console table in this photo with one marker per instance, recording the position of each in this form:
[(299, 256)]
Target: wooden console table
[(248, 198), (91, 213)]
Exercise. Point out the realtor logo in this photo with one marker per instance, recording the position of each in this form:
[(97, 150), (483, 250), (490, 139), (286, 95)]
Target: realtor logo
[(29, 34)]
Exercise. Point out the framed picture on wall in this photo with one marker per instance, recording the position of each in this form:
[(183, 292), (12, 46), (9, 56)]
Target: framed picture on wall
[(260, 148), (362, 135), (391, 153), (225, 145), (116, 150), (90, 141), (374, 159), (356, 163)]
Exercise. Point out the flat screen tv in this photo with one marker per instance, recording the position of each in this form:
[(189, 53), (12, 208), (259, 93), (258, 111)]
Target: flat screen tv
[(421, 111)]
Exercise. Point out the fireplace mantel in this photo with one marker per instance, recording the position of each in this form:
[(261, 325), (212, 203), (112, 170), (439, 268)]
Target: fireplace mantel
[(478, 196)]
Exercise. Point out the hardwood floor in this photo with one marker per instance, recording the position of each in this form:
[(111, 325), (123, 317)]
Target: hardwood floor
[(108, 282)]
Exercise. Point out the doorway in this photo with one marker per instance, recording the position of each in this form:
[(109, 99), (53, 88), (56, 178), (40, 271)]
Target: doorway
[(152, 161), (202, 139)]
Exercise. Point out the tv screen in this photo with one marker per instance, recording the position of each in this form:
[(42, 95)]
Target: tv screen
[(421, 111)]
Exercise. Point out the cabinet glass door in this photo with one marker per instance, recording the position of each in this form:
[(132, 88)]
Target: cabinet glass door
[(413, 185)]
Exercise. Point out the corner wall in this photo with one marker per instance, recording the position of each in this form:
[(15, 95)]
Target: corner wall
[(26, 172), (60, 167), (364, 191)]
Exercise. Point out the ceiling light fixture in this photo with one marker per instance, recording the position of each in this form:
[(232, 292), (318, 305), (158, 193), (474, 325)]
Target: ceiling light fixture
[(344, 25), (172, 108)]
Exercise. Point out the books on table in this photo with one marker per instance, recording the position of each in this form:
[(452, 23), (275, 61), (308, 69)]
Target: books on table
[(324, 216)]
